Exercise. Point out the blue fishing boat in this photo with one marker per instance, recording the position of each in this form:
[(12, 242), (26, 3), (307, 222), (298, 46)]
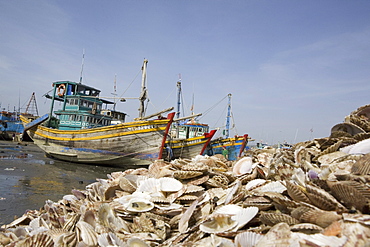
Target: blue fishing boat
[(234, 146), (10, 125), (85, 129)]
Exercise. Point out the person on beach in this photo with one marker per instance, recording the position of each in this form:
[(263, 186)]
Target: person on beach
[(225, 153)]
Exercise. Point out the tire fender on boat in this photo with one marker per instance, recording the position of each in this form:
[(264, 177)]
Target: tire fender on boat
[(61, 90)]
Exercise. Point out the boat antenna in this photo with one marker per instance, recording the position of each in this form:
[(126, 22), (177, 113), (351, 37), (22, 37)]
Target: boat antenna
[(143, 95), (82, 66), (178, 96), (227, 130)]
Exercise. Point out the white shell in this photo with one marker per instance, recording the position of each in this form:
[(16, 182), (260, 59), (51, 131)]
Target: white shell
[(170, 184), (255, 183), (247, 239), (243, 166), (218, 223), (137, 204), (274, 186)]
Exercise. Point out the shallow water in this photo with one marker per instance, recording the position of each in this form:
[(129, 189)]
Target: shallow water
[(28, 179)]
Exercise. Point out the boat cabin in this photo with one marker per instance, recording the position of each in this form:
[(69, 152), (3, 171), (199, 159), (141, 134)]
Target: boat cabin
[(189, 130), (82, 107)]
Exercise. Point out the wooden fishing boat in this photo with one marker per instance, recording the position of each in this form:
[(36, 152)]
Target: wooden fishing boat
[(187, 138), (234, 145), (82, 130)]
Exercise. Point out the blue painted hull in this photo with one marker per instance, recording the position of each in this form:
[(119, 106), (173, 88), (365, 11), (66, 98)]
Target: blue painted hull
[(233, 147)]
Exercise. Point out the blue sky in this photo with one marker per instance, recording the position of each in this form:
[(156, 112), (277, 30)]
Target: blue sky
[(291, 66)]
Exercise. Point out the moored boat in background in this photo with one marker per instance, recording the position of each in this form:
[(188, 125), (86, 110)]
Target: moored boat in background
[(235, 146), (83, 130), (187, 138)]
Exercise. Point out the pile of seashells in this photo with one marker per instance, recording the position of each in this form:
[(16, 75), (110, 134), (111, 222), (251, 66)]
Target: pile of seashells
[(315, 194)]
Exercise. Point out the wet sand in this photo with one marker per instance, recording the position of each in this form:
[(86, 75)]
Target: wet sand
[(28, 178)]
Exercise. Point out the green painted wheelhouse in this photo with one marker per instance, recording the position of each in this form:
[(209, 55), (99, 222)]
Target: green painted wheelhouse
[(82, 108)]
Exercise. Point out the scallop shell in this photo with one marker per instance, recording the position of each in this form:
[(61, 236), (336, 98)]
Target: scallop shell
[(87, 233), (243, 166), (160, 168), (214, 240), (136, 242), (320, 217), (352, 194), (137, 204), (347, 127), (296, 192), (255, 183), (110, 239), (307, 228), (278, 235), (334, 229), (186, 174), (239, 214), (149, 185), (198, 166), (274, 186), (218, 223), (272, 219), (198, 181), (170, 184), (362, 166), (190, 188), (247, 239), (322, 199), (258, 201), (38, 240)]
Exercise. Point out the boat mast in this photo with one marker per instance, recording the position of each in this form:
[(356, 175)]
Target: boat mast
[(178, 97), (82, 66), (143, 94), (227, 130)]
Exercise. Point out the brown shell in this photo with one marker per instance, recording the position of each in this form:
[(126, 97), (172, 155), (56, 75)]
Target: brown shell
[(320, 217), (261, 202), (191, 188), (200, 167), (186, 174), (333, 229), (127, 185), (322, 199), (307, 228), (38, 240), (272, 219), (362, 166), (361, 136), (198, 181), (159, 168), (352, 194), (296, 193)]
